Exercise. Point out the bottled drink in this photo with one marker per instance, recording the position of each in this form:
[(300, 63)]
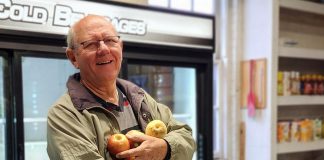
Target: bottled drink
[(280, 83)]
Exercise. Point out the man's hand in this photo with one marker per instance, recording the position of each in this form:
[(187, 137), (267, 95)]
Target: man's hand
[(151, 148)]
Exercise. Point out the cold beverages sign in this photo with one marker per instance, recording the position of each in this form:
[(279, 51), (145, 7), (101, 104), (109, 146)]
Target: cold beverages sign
[(22, 13), (61, 15), (135, 24)]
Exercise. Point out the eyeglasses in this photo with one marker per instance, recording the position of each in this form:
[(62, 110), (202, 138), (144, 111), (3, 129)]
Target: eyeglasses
[(93, 45)]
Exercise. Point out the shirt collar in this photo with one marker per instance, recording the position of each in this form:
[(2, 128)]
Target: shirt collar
[(83, 98)]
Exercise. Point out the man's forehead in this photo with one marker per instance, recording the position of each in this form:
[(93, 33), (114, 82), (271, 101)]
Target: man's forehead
[(89, 23), (89, 20)]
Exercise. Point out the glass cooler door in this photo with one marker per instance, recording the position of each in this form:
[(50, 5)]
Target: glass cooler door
[(44, 81), (172, 86), (2, 112)]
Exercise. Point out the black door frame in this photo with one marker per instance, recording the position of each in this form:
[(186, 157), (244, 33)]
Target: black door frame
[(202, 61), (10, 136), (18, 94)]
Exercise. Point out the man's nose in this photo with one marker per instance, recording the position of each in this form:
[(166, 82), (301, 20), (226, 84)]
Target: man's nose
[(102, 47)]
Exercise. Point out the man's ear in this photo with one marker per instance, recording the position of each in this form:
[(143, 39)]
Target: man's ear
[(71, 56)]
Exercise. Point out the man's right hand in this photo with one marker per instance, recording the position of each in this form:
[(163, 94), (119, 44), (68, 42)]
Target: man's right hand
[(151, 148)]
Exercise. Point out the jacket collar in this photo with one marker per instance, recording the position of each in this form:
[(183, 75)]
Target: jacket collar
[(82, 99)]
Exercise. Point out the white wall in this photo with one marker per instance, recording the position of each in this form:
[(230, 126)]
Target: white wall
[(259, 33)]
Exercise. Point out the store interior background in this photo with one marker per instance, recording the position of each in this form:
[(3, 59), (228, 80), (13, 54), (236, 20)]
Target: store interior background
[(289, 34)]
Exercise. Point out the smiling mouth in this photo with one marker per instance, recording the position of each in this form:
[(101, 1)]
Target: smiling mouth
[(105, 62)]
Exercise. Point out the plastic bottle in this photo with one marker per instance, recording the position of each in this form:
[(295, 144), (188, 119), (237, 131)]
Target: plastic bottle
[(314, 84), (302, 84), (297, 83), (293, 83), (308, 88), (320, 87), (286, 84), (280, 83)]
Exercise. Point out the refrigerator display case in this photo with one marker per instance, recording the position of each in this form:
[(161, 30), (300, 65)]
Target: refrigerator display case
[(180, 79), (44, 81)]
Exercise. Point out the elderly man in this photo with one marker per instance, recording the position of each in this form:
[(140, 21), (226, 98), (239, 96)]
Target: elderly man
[(98, 104)]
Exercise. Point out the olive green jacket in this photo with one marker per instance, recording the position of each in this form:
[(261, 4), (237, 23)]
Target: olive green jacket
[(78, 126)]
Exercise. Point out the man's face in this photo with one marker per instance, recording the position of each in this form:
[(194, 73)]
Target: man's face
[(101, 63)]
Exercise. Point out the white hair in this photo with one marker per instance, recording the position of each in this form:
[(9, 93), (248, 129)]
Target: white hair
[(70, 38)]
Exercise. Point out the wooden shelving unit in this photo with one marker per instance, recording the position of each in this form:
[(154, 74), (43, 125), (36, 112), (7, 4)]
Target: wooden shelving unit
[(297, 22)]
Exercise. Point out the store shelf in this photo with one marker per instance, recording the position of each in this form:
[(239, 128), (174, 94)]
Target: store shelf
[(35, 120), (182, 116), (36, 143), (300, 100), (305, 6), (300, 146), (306, 53)]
